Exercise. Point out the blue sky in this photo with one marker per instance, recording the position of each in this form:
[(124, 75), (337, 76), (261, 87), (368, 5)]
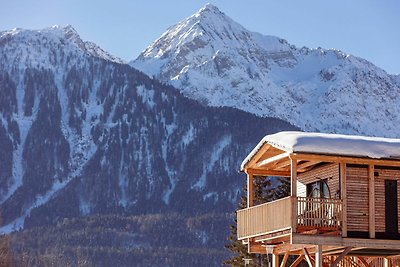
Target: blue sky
[(365, 28)]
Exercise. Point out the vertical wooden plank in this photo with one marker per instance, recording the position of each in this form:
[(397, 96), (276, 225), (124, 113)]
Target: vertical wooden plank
[(250, 193), (371, 200), (318, 256), (293, 177), (343, 195), (293, 191), (386, 262), (275, 260)]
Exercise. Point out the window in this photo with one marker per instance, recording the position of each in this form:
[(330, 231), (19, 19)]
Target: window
[(318, 189)]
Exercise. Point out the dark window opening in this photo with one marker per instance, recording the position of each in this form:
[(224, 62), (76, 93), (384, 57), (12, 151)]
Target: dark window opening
[(318, 189)]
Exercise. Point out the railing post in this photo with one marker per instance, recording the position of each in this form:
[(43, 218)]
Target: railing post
[(343, 196), (293, 191), (371, 200), (250, 193)]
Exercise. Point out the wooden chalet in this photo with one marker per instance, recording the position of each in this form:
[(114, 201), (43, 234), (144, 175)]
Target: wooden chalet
[(343, 207)]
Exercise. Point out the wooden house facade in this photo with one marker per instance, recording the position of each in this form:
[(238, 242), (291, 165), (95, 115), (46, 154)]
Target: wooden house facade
[(343, 207)]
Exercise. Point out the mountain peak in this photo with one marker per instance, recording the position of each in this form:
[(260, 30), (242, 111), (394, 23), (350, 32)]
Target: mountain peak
[(209, 8), (216, 61)]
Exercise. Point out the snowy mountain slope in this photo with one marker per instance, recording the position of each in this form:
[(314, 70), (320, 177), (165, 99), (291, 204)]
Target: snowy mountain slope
[(216, 61), (65, 38), (83, 134)]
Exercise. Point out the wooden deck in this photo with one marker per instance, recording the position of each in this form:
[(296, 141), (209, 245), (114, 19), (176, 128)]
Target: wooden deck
[(298, 214)]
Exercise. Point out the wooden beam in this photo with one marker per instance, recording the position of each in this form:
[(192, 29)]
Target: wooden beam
[(371, 200), (282, 248), (297, 261), (354, 160), (344, 242), (255, 247), (308, 258), (285, 257), (257, 156), (261, 172), (250, 193), (272, 159), (363, 261), (341, 257), (282, 164), (318, 256), (343, 196), (307, 164)]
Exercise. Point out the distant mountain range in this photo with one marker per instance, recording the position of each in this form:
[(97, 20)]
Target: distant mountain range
[(214, 60), (103, 158), (84, 134)]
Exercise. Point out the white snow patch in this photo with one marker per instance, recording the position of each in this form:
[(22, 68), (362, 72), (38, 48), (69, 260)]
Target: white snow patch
[(173, 180), (147, 95), (214, 158)]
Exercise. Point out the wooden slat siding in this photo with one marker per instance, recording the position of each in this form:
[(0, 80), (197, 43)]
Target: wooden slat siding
[(301, 189), (357, 199), (265, 218), (323, 172), (380, 196)]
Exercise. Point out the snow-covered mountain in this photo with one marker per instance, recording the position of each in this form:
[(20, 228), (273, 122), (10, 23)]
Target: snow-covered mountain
[(82, 134), (216, 61)]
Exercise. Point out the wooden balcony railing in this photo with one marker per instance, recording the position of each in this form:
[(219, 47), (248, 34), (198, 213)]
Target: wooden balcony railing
[(264, 218), (319, 213), (312, 213)]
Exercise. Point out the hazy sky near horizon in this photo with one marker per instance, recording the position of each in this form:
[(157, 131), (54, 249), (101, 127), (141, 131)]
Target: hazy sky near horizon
[(366, 28)]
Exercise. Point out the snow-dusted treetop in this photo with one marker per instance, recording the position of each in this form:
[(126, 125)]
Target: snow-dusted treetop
[(330, 144)]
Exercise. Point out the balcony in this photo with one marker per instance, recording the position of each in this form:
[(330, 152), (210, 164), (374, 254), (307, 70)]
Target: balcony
[(290, 214)]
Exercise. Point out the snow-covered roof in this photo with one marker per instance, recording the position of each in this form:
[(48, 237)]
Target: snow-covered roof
[(330, 144)]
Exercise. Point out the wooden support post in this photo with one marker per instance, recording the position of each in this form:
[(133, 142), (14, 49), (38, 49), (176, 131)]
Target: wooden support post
[(341, 257), (250, 193), (318, 256), (343, 196), (371, 200), (293, 177), (297, 261), (308, 258), (283, 263), (275, 260), (293, 191), (386, 262)]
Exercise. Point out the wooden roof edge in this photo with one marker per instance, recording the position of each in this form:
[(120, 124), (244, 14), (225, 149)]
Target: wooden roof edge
[(347, 159)]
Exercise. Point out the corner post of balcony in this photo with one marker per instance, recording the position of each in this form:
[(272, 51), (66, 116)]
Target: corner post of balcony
[(250, 191), (293, 190)]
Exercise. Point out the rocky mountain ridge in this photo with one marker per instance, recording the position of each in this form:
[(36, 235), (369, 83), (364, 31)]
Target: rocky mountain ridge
[(83, 135), (214, 60)]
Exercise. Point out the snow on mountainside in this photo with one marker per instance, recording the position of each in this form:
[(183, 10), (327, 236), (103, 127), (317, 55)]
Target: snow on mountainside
[(81, 134), (213, 59), (59, 36)]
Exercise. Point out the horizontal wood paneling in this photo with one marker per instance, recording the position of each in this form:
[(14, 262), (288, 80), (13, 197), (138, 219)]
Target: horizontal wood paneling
[(328, 171)]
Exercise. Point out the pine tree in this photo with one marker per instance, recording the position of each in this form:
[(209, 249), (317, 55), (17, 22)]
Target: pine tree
[(265, 189)]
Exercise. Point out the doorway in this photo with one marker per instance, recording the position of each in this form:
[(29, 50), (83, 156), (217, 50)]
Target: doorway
[(391, 214)]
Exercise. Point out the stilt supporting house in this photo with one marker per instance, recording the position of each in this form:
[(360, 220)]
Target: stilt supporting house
[(343, 206)]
